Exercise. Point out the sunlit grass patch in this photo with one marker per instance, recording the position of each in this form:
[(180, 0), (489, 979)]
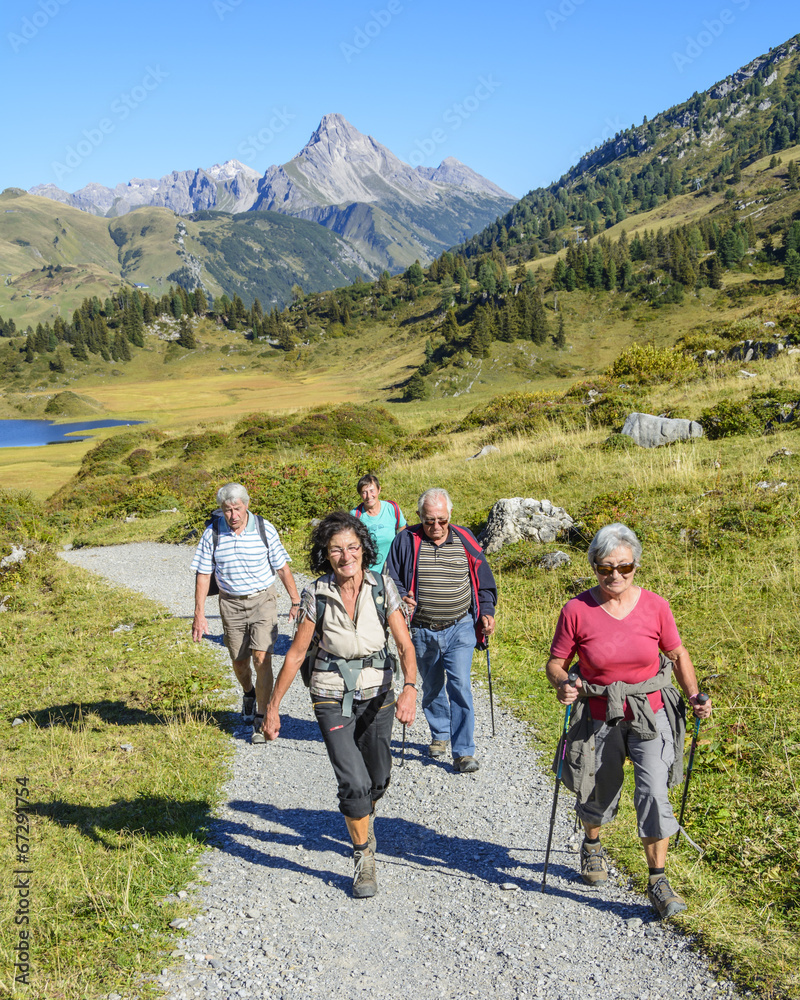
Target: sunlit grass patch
[(122, 756)]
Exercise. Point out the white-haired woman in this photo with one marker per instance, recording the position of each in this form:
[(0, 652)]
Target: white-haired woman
[(626, 706)]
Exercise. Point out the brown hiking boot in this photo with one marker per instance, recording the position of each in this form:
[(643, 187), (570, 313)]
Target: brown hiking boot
[(664, 898), (365, 883), (594, 867), (438, 748)]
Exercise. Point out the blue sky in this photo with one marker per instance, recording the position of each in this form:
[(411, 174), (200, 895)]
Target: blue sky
[(517, 90)]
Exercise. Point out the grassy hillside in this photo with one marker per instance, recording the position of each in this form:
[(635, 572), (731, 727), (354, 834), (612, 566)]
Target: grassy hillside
[(53, 256), (718, 517)]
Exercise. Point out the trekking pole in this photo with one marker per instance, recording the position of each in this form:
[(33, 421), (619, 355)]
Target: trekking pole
[(489, 672), (572, 676), (403, 751), (701, 700)]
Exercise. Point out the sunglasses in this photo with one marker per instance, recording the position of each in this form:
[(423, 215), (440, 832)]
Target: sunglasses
[(623, 569), (430, 521)]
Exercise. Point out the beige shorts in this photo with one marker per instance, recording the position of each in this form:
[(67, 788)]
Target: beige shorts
[(249, 623)]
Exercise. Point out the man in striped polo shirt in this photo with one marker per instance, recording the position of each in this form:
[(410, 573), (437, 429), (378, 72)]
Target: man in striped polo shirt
[(245, 564), (442, 575)]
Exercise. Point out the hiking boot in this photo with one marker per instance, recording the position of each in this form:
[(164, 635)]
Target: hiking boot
[(364, 882), (372, 843), (248, 707), (258, 736), (594, 867), (665, 900), (465, 765), (438, 748)]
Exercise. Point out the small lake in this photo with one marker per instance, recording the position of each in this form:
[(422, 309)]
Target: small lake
[(32, 433)]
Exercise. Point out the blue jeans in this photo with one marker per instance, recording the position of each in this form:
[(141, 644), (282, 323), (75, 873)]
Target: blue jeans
[(444, 660)]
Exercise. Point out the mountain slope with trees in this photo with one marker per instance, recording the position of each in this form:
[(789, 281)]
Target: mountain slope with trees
[(698, 148)]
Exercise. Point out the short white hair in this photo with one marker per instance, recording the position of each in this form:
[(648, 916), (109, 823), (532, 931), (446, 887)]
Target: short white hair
[(611, 537), (232, 493), (433, 495)]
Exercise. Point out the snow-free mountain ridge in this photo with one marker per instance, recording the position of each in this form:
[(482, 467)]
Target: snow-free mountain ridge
[(342, 179)]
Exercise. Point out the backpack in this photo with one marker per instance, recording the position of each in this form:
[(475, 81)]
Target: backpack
[(379, 597), (396, 506), (213, 522)]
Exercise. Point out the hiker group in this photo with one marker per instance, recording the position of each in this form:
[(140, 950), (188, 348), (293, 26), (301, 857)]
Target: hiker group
[(430, 588)]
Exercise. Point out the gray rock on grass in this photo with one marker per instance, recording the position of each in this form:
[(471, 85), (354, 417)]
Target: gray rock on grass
[(650, 432), (552, 560), (512, 520)]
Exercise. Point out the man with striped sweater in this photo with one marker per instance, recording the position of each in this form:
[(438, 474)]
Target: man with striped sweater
[(442, 575), (245, 554)]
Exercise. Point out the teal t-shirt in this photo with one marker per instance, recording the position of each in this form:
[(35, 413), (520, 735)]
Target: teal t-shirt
[(383, 528)]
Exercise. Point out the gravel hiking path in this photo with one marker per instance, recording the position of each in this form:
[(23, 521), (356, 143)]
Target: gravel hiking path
[(459, 912)]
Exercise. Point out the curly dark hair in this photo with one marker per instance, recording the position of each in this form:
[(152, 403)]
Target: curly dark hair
[(331, 525)]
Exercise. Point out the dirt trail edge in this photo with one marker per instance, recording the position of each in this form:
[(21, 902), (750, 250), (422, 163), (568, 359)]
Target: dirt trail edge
[(459, 912)]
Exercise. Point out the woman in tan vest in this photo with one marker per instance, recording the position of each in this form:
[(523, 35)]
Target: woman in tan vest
[(347, 614)]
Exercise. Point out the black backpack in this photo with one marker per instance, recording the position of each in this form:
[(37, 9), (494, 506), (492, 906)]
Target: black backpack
[(213, 522)]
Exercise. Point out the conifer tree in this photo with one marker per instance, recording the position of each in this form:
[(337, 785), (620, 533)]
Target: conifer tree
[(284, 337), (791, 270), (416, 388), (200, 302), (560, 339), (715, 273), (538, 320), (186, 336), (449, 328), (463, 289)]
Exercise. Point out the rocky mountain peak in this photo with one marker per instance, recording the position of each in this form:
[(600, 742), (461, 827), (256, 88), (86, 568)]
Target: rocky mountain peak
[(231, 168)]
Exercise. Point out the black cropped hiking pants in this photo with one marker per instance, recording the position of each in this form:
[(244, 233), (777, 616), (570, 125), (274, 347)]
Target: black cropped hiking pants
[(358, 746)]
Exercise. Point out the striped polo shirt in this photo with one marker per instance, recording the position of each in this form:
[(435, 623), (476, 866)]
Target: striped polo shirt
[(241, 563), (444, 590)]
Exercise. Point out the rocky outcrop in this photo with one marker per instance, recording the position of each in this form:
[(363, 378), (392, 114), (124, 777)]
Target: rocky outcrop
[(755, 350), (518, 518), (651, 432)]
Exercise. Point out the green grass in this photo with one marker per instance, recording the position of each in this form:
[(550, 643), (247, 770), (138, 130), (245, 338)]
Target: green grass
[(719, 548), (122, 752)]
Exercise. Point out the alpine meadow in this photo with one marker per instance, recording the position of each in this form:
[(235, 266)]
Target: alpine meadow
[(294, 348)]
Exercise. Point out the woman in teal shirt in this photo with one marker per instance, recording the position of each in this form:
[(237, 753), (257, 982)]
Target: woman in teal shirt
[(383, 517)]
